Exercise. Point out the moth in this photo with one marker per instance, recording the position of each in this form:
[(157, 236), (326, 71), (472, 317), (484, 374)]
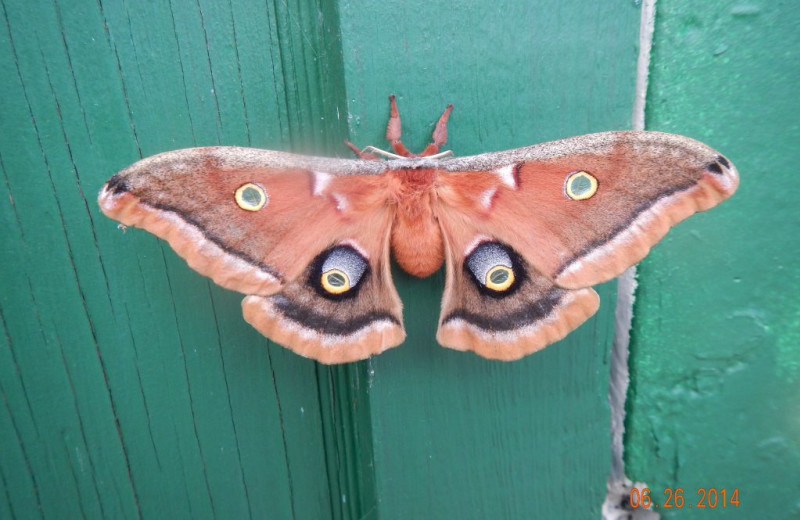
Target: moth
[(524, 233)]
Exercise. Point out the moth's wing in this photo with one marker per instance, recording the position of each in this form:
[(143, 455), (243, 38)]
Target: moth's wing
[(316, 214), (518, 210), (646, 182), (504, 315), (187, 197)]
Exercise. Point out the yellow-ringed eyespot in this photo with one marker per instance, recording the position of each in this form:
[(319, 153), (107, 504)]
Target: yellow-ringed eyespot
[(494, 268), (251, 196), (341, 269), (335, 281), (499, 278), (580, 185)]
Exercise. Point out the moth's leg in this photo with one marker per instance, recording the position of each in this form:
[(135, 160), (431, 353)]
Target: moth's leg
[(393, 131), (439, 134), (361, 154)]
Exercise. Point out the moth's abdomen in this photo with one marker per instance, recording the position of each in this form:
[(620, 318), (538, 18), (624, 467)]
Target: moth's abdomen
[(417, 244), (416, 236)]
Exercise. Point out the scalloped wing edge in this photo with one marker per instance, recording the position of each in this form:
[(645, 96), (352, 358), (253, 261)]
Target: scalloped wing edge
[(203, 254), (509, 345), (381, 333), (609, 259)]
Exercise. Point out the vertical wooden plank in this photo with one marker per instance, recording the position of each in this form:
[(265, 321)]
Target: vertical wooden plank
[(716, 365), (456, 436), (347, 430), (132, 386), (50, 341)]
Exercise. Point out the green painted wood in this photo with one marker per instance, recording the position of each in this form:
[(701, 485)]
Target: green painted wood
[(716, 363), (131, 386), (456, 436)]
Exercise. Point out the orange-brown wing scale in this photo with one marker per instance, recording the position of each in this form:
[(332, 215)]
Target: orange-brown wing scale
[(646, 182), (559, 243), (274, 254), (506, 324), (313, 257)]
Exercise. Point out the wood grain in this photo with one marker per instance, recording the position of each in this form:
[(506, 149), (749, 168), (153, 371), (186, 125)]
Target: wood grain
[(715, 362), (131, 385), (455, 436)]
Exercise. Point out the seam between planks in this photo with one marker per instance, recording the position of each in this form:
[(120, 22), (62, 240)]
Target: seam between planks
[(618, 484)]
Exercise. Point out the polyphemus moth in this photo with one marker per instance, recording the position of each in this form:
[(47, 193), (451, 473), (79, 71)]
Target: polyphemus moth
[(524, 233)]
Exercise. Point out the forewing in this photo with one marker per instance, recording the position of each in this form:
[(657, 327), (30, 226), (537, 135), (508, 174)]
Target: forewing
[(644, 183), (265, 224)]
